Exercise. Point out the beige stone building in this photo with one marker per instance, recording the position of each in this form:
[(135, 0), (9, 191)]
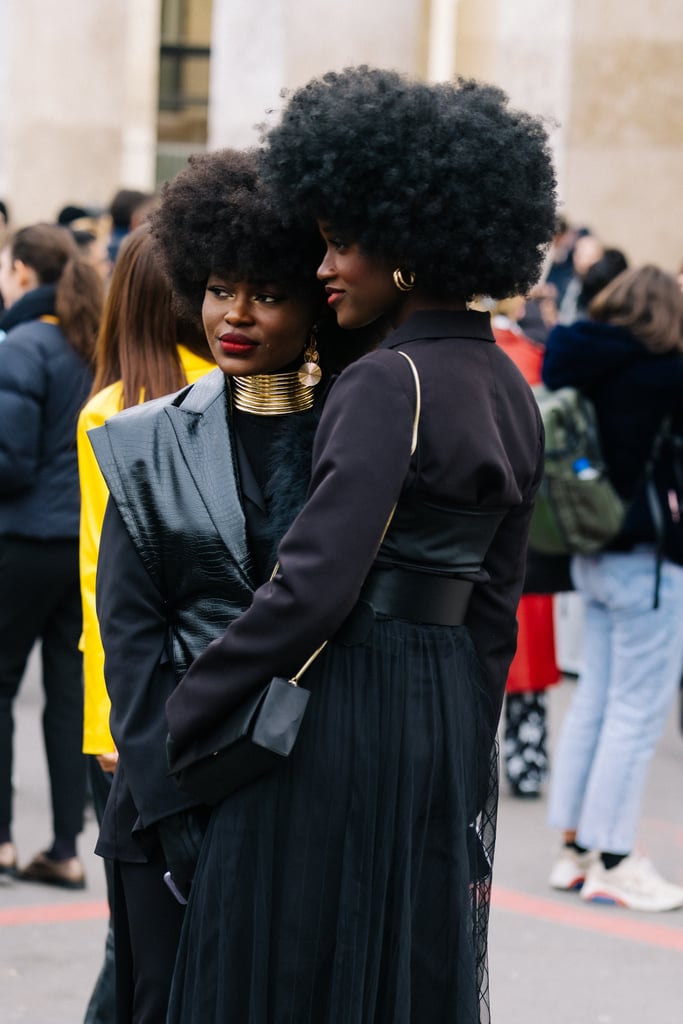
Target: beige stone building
[(101, 94)]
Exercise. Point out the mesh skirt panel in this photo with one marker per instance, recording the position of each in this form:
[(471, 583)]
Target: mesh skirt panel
[(352, 886)]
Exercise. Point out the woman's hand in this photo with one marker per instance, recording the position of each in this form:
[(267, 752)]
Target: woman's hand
[(108, 762)]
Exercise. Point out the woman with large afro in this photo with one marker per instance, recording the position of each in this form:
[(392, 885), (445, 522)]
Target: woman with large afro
[(352, 885)]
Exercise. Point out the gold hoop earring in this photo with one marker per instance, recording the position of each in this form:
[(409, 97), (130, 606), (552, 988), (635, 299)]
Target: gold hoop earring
[(309, 372), (404, 282)]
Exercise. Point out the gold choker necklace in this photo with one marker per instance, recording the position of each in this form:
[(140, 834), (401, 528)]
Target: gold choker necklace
[(271, 394)]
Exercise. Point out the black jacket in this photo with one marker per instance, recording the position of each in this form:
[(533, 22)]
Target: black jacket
[(43, 386), (187, 537), (632, 389)]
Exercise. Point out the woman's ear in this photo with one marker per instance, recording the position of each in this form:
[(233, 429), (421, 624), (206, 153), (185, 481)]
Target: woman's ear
[(25, 276)]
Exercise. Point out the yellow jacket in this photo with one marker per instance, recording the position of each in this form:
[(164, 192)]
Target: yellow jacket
[(97, 738)]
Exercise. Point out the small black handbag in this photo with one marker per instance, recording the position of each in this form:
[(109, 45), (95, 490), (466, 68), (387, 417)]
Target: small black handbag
[(247, 744)]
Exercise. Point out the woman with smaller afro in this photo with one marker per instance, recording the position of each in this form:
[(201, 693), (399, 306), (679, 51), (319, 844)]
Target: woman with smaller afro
[(203, 484), (353, 884)]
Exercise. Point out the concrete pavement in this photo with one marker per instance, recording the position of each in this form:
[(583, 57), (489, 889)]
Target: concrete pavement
[(556, 960), (553, 959)]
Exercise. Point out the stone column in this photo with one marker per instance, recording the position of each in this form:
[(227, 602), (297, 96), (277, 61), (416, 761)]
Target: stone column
[(609, 77), (248, 50), (78, 89), (258, 51), (625, 129)]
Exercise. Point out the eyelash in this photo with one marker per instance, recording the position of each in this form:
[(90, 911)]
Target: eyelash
[(223, 293)]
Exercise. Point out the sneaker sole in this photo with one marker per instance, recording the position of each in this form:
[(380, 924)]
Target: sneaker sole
[(573, 885), (608, 899), (605, 899)]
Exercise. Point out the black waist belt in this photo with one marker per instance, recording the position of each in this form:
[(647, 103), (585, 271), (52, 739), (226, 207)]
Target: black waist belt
[(417, 596)]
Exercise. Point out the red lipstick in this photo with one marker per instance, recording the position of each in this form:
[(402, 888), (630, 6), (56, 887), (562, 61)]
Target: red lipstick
[(236, 344)]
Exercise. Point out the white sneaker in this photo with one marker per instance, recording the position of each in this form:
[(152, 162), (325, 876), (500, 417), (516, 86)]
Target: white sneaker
[(634, 883), (570, 869)]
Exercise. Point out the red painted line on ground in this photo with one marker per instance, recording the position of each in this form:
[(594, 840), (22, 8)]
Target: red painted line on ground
[(579, 916), (588, 918), (54, 913)]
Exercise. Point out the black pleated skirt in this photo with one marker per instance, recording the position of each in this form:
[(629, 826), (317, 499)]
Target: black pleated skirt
[(351, 886)]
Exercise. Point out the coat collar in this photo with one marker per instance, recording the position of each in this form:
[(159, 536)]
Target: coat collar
[(200, 401), (441, 323), (200, 420), (38, 302), (201, 396)]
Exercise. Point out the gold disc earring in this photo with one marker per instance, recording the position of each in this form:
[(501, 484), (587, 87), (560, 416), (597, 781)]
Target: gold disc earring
[(309, 372), (404, 282)]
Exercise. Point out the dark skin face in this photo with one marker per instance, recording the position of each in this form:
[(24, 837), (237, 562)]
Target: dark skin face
[(361, 289), (254, 328)]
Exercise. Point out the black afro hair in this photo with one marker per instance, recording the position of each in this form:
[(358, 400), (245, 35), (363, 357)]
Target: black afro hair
[(216, 216), (444, 179)]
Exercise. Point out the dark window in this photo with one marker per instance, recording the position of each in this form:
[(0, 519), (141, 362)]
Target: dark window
[(184, 56)]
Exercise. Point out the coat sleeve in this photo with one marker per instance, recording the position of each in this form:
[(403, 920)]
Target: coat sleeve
[(138, 674), (22, 397), (360, 461), (492, 611), (97, 738)]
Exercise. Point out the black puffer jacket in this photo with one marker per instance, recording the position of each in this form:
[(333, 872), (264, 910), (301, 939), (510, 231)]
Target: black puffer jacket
[(43, 386), (632, 390)]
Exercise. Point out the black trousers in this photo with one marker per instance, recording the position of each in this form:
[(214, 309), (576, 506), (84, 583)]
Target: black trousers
[(147, 923), (40, 600), (102, 1005)]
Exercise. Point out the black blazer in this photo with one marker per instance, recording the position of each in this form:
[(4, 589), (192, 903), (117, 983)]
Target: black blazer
[(134, 611), (481, 443)]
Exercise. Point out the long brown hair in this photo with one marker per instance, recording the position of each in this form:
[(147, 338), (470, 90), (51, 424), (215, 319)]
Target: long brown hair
[(648, 302), (140, 331), (51, 252)]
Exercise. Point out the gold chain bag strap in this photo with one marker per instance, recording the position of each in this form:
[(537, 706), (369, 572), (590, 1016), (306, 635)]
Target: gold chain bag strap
[(253, 739)]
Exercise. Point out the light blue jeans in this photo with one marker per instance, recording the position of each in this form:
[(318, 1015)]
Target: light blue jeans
[(632, 664)]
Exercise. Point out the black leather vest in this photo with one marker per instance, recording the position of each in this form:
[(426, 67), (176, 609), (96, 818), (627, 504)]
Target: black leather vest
[(171, 470)]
